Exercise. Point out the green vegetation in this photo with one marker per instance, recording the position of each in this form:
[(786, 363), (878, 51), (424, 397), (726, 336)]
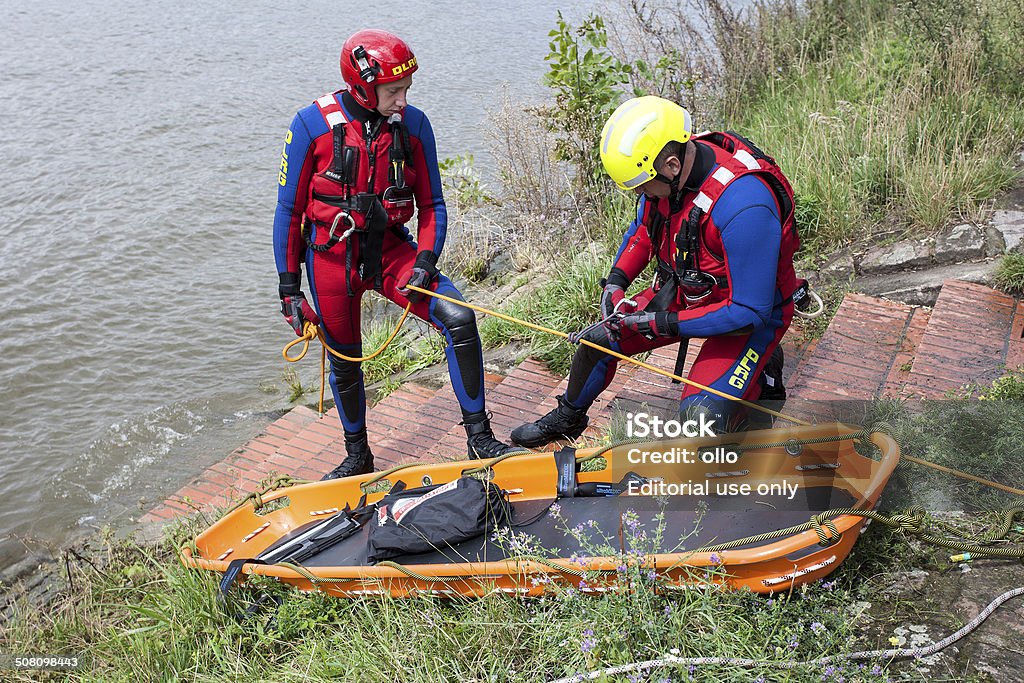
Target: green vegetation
[(566, 301), (1009, 387), (410, 350), (888, 130), (1010, 275), (140, 615)]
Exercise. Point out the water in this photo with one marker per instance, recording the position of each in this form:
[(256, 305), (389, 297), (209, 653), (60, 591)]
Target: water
[(140, 150)]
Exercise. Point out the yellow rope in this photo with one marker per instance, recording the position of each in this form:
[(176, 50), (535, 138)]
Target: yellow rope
[(616, 354), (311, 332), (665, 373), (964, 475)]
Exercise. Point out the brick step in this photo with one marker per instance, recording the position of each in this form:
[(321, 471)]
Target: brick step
[(864, 349), (296, 444), (973, 335)]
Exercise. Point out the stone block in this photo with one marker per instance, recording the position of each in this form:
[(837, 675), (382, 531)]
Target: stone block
[(960, 243), (1011, 225), (903, 255)]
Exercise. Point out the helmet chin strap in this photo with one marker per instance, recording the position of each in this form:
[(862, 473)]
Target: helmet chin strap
[(673, 182), (675, 195)]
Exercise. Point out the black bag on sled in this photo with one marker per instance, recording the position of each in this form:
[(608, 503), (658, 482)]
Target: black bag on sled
[(433, 517)]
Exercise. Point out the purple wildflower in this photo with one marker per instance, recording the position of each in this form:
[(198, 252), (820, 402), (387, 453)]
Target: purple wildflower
[(587, 643), (817, 627), (715, 559)]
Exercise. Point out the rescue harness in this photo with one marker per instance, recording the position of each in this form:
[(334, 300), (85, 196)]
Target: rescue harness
[(366, 214)]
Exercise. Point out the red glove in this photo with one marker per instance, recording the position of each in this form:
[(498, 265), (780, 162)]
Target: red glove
[(297, 312), (613, 300)]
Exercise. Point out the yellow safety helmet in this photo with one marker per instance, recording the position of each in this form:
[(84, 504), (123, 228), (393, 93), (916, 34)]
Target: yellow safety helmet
[(636, 133)]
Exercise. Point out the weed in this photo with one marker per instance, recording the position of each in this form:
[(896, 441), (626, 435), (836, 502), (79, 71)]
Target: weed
[(1010, 275), (1009, 387), (292, 380)]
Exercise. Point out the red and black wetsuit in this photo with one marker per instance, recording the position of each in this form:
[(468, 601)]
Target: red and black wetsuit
[(334, 179), (743, 241)]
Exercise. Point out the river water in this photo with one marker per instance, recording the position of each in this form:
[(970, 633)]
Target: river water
[(140, 150)]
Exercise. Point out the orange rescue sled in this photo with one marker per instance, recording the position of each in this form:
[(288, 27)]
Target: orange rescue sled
[(706, 507)]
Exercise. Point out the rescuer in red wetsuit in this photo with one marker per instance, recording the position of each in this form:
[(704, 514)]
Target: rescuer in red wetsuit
[(356, 165), (715, 214)]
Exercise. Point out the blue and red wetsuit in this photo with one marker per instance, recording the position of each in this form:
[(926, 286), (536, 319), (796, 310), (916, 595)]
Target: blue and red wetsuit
[(746, 244), (311, 195)]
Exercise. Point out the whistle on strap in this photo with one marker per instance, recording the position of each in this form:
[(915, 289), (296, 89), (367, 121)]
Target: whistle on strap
[(398, 153)]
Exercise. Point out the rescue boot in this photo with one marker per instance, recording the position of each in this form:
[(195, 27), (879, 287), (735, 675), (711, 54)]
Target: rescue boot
[(358, 461), (564, 422), (480, 439)]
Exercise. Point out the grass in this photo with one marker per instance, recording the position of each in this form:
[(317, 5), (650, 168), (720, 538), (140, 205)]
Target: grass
[(411, 350), (140, 615), (888, 132), (1010, 274), (567, 302)]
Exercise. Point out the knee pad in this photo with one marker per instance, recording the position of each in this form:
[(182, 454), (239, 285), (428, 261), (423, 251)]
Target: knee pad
[(459, 321), (345, 372), (465, 357), (597, 335)]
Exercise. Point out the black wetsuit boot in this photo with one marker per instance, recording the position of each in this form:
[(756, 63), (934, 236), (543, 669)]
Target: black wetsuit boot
[(359, 459), (564, 422), (480, 439)]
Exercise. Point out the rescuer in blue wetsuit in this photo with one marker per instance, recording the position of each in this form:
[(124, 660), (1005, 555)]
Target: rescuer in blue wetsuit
[(356, 165), (715, 215)]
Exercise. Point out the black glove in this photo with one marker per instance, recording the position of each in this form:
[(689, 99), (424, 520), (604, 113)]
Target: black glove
[(294, 307), (422, 273), (651, 325), (614, 293)]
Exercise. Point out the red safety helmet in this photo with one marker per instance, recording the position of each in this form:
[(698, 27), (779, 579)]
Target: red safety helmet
[(371, 57)]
